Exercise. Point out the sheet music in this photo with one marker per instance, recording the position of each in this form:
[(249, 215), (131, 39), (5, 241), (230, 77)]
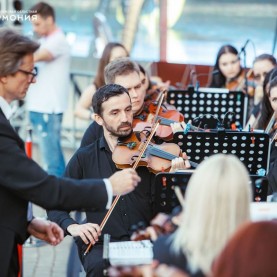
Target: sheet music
[(130, 252)]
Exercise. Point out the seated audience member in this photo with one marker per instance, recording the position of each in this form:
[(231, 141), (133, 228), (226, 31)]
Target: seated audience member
[(250, 252), (217, 202), (112, 51)]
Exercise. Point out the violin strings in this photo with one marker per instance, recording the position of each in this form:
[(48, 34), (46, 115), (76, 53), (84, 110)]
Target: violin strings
[(161, 153), (104, 221)]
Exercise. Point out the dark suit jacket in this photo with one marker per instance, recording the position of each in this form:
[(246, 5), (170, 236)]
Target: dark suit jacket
[(22, 180)]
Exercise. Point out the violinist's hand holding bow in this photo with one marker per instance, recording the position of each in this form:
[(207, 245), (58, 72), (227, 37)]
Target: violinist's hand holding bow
[(180, 163), (88, 232)]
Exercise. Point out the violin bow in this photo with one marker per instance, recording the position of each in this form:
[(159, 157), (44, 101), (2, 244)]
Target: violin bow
[(179, 195), (270, 123), (104, 221), (273, 138), (160, 101)]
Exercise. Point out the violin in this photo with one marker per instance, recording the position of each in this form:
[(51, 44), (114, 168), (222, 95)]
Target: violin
[(135, 165), (238, 83), (157, 158), (161, 224), (153, 112), (152, 94)]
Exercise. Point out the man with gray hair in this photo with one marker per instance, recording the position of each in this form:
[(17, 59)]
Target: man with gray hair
[(22, 180)]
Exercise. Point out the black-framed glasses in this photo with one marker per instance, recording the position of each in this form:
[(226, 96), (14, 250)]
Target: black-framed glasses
[(34, 73)]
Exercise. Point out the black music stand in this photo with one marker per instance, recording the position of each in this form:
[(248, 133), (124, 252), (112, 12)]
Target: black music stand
[(210, 106), (250, 147), (166, 199)]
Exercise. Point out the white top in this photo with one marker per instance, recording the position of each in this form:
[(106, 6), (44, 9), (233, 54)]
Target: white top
[(50, 92)]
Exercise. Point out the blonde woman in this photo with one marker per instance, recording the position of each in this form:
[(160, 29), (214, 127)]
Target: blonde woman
[(217, 201)]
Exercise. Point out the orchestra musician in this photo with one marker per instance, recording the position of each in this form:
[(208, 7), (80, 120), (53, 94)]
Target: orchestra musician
[(112, 51), (268, 102), (126, 73), (230, 73), (217, 202), (261, 66), (269, 108), (113, 111), (238, 259)]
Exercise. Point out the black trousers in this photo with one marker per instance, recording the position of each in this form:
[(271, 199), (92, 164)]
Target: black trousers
[(8, 254), (93, 263)]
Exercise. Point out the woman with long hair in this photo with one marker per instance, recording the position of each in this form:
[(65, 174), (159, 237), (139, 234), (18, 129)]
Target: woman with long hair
[(267, 100), (269, 109), (112, 51), (217, 201), (227, 67)]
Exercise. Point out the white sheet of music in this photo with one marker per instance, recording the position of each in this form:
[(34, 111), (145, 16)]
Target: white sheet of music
[(131, 252)]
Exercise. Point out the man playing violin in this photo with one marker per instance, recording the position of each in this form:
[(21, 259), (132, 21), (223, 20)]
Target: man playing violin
[(126, 73), (113, 111)]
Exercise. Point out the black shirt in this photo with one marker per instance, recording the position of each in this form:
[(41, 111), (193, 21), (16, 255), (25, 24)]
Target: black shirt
[(272, 172), (92, 133), (164, 254), (95, 161)]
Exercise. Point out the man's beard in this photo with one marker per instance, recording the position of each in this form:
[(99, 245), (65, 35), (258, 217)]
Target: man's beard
[(118, 132)]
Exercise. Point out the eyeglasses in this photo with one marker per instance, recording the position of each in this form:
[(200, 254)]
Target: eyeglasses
[(34, 73)]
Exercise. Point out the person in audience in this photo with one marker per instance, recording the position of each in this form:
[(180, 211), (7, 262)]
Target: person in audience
[(250, 252), (47, 98), (217, 202), (112, 51)]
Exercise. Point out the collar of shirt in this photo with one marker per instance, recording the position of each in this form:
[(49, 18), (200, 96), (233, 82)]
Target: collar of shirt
[(103, 144), (6, 108)]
